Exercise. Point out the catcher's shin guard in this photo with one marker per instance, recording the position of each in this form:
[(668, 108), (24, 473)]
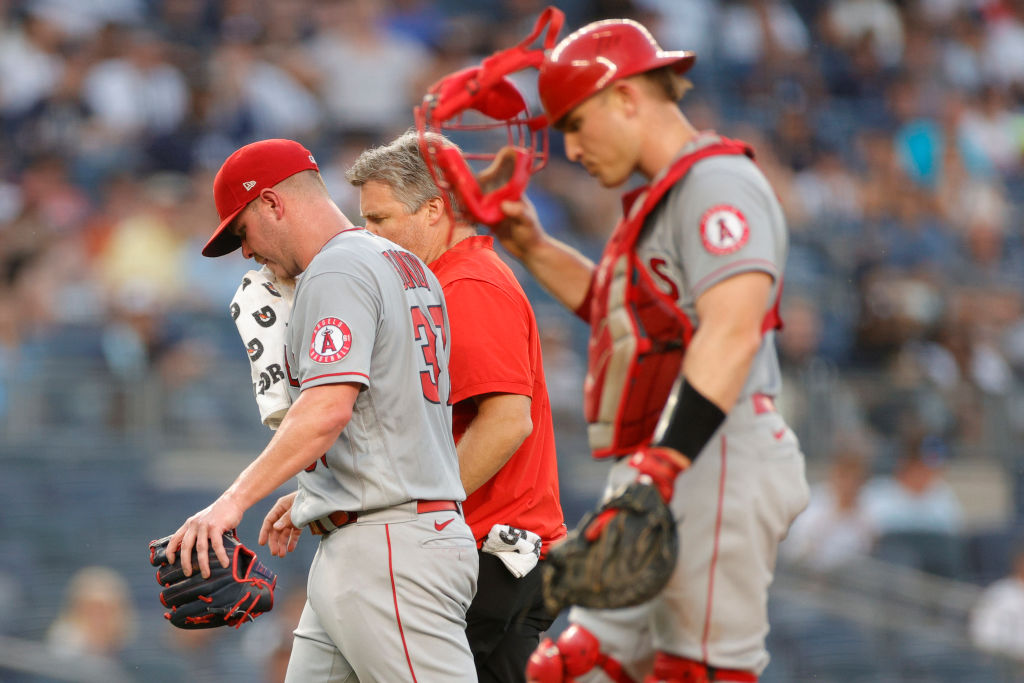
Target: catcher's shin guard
[(672, 669), (576, 652)]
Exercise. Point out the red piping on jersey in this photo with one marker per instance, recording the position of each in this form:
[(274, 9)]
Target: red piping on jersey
[(336, 374), (394, 594), (714, 556)]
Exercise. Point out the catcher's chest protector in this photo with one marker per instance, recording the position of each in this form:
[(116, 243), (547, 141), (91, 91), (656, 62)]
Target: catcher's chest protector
[(638, 334)]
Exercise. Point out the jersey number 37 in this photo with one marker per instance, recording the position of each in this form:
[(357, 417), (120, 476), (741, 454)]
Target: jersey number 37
[(428, 325)]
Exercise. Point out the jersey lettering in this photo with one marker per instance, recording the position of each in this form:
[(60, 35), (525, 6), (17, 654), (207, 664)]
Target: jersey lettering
[(419, 276), (312, 466), (425, 326), (408, 268), (293, 381), (658, 267)]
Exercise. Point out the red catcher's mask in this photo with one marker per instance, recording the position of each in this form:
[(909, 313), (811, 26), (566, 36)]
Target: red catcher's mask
[(481, 104)]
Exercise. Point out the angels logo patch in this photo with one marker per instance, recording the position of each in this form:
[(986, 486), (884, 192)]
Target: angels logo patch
[(723, 229), (331, 341)]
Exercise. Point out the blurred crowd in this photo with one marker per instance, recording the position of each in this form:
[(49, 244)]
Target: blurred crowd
[(893, 131)]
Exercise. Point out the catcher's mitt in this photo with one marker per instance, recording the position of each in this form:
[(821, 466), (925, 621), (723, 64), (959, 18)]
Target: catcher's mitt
[(621, 555), (231, 595)]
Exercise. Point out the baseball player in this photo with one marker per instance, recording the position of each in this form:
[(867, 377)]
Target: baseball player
[(500, 410), (682, 363), (368, 435)]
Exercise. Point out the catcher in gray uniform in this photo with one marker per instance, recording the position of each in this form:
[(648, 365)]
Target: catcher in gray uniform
[(682, 367), (368, 435)]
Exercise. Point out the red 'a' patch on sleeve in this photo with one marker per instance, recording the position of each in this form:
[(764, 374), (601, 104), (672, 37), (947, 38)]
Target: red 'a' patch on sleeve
[(331, 340), (723, 229)]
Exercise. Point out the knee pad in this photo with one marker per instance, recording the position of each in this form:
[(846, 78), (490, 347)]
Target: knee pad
[(576, 652), (672, 669)]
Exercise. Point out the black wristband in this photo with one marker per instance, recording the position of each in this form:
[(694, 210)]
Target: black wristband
[(693, 422)]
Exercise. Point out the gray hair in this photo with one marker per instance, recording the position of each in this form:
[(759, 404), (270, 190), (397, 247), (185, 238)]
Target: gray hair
[(400, 165)]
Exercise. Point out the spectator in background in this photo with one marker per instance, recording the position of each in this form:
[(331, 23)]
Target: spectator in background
[(878, 22), (357, 55), (31, 65), (835, 527), (253, 97), (997, 620), (917, 496), (916, 513), (97, 618), (134, 95)]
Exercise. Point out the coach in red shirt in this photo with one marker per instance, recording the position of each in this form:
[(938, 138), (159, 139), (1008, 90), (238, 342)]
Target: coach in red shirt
[(501, 416)]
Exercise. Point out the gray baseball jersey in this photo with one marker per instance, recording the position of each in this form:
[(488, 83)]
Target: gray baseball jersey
[(368, 311), (387, 594), (721, 221), (737, 500)]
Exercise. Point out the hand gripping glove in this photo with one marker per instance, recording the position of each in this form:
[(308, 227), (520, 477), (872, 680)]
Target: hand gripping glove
[(623, 553), (231, 595)]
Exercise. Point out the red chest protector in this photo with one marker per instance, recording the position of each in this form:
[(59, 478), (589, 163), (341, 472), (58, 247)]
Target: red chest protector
[(638, 335)]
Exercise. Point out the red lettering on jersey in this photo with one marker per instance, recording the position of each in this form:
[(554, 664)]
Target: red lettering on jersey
[(395, 259), (408, 267), (322, 348), (292, 380), (656, 265), (415, 267)]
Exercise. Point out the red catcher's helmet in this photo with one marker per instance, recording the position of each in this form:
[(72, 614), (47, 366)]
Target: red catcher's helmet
[(586, 61)]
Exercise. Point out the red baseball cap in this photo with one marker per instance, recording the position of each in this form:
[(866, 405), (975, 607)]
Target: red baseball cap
[(246, 173)]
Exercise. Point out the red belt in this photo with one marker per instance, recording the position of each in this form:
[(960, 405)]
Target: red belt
[(340, 518), (763, 403)]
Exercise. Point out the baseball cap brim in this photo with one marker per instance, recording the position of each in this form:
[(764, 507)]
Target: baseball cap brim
[(223, 240)]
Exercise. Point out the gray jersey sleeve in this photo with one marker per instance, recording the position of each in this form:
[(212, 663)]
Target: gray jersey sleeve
[(731, 223), (335, 324)]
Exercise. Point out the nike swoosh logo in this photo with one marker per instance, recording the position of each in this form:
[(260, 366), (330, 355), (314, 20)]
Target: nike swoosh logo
[(441, 525), (779, 434)]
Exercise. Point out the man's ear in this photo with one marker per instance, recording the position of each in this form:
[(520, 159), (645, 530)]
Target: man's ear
[(435, 209), (270, 200), (625, 94)]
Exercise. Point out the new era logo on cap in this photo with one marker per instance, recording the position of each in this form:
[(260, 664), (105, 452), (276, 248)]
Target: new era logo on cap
[(262, 164)]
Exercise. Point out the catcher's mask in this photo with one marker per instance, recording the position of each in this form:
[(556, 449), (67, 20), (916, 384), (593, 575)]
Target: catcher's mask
[(482, 100)]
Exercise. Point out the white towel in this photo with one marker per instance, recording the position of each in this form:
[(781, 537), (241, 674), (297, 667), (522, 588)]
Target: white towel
[(519, 549), (261, 308)]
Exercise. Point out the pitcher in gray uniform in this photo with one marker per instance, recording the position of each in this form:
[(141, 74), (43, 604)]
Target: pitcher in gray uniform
[(682, 364), (368, 435)]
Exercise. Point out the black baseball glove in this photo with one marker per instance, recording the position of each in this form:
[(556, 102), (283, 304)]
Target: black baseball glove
[(231, 595), (620, 555)]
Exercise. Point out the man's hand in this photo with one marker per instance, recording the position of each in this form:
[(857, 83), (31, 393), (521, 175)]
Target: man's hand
[(659, 466), (278, 533), (204, 531), (521, 228)]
